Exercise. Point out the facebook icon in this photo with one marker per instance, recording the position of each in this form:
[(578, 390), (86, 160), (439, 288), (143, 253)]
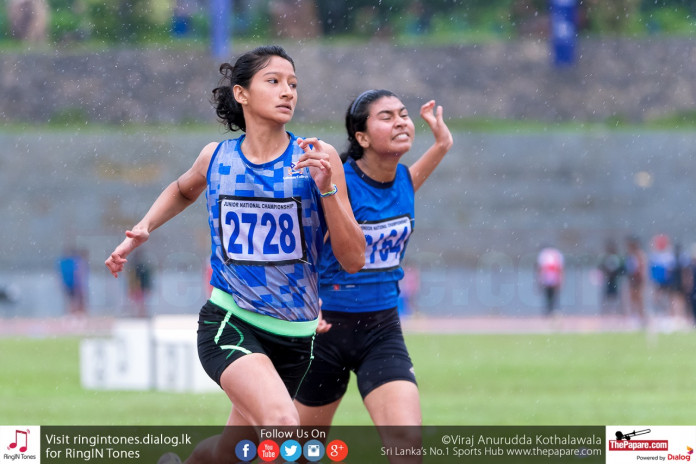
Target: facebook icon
[(245, 450)]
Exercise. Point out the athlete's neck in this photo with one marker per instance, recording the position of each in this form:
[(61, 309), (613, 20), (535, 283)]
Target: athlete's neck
[(264, 144), (377, 167)]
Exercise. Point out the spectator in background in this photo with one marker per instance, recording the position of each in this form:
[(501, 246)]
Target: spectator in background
[(28, 20), (549, 272), (661, 262), (182, 18), (73, 270), (612, 268), (410, 285), (8, 294), (690, 282), (678, 294), (139, 283), (636, 271)]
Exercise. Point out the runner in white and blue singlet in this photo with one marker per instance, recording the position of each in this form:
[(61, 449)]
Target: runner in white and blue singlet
[(273, 271), (271, 199), (361, 331)]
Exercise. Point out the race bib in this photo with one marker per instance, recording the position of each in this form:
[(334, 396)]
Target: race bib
[(261, 231), (385, 242)]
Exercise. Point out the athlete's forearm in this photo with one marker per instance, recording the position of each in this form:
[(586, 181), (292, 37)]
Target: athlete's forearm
[(347, 240), (170, 203), (426, 164)]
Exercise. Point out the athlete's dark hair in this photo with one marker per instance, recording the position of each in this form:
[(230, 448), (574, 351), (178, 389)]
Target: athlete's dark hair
[(228, 110), (356, 120)]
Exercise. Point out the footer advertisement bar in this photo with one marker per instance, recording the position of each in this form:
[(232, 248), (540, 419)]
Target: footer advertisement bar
[(615, 444)]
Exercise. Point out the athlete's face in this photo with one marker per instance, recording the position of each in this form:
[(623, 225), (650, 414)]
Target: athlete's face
[(272, 93), (389, 129)]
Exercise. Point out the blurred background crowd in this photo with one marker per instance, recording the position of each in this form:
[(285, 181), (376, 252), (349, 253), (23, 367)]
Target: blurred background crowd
[(573, 124)]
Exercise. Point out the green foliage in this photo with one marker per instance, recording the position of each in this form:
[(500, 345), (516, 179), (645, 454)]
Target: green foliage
[(70, 117), (676, 20), (431, 21), (121, 20), (685, 119)]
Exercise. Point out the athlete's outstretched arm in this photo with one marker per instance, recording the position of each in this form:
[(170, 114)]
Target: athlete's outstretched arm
[(325, 167), (173, 200), (426, 164)]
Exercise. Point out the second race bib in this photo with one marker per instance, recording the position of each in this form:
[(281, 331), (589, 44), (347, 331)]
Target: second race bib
[(385, 242)]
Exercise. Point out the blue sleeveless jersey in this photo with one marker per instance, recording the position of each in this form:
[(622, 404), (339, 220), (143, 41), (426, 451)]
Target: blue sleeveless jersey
[(267, 231), (385, 212)]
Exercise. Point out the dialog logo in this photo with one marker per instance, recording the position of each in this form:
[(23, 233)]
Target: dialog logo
[(290, 450), (245, 450)]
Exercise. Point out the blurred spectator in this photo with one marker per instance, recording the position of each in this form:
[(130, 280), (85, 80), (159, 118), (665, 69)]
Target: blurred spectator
[(294, 19), (8, 294), (690, 283), (612, 267), (661, 262), (73, 270), (678, 293), (182, 17), (636, 271), (549, 271), (419, 16), (139, 283), (28, 19), (408, 287)]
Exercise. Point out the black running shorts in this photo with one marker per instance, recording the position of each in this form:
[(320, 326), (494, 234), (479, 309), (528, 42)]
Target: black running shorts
[(371, 344), (223, 338)]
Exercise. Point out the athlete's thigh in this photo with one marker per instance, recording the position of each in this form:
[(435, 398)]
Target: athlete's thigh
[(317, 415), (257, 392), (394, 403), (385, 356)]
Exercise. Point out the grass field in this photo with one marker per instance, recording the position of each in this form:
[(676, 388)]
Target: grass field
[(561, 379)]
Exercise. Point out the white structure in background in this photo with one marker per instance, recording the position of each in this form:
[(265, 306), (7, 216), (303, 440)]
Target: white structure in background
[(142, 354)]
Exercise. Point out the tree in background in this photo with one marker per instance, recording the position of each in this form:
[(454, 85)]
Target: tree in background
[(137, 21), (614, 17)]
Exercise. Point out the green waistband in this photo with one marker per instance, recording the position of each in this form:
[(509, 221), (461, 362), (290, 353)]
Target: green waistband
[(267, 323)]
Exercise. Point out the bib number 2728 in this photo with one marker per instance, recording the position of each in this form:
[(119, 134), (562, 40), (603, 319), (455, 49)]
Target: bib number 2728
[(261, 231)]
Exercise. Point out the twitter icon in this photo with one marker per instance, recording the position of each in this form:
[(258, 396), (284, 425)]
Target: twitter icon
[(290, 450)]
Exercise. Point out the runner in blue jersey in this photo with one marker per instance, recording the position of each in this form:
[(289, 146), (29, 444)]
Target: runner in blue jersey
[(360, 319), (272, 198)]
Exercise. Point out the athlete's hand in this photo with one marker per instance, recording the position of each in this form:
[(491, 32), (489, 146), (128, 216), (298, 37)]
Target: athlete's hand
[(323, 326), (117, 259), (442, 134), (316, 159)]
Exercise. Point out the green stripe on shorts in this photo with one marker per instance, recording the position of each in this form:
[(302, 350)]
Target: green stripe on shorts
[(261, 321)]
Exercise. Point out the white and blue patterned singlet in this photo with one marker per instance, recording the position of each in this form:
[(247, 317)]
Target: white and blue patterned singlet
[(267, 231), (385, 213)]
